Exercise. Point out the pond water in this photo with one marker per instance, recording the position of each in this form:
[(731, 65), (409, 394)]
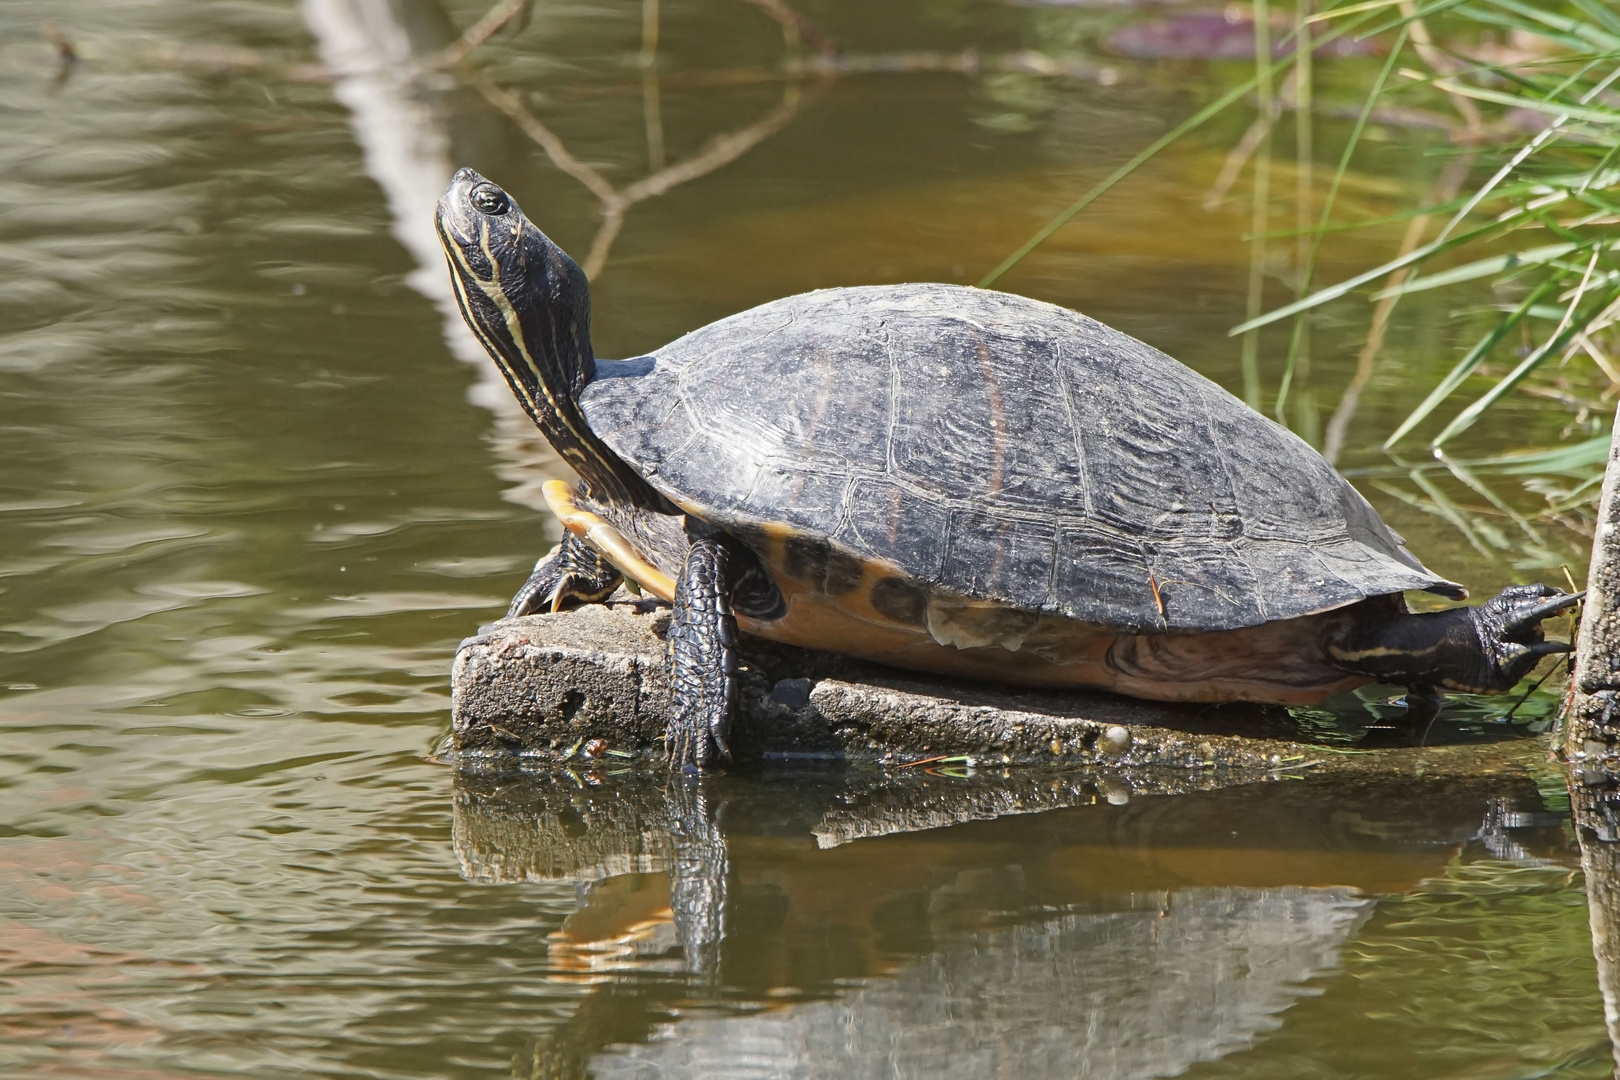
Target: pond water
[(259, 482)]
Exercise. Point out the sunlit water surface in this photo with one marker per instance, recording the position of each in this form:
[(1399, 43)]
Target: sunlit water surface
[(253, 497)]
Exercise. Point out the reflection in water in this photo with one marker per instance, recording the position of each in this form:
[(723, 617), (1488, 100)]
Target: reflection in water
[(374, 48), (1190, 976), (1094, 939), (377, 49), (698, 874), (390, 60)]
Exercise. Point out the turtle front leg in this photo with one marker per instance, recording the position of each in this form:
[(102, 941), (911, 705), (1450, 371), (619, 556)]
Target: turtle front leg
[(1476, 650), (572, 572), (702, 656)]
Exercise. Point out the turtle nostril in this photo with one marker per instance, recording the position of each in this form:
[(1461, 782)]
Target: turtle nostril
[(488, 199)]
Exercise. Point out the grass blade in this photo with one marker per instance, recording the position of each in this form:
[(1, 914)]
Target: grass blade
[(1565, 333), (1327, 206), (1249, 357), (1484, 490), (1573, 459), (1605, 117), (1594, 10), (1574, 27), (1465, 367), (1192, 122), (1115, 177), (1496, 264), (1333, 292)]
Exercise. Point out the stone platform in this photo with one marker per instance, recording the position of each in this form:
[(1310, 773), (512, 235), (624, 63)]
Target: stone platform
[(589, 685)]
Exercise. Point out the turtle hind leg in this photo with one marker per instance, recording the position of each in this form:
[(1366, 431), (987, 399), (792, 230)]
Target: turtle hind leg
[(1476, 650), (702, 655), (1507, 640), (570, 573)]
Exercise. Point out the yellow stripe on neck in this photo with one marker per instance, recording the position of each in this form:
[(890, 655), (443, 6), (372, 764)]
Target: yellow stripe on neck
[(491, 288)]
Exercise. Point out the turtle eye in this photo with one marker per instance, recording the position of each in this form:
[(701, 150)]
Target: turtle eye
[(489, 199)]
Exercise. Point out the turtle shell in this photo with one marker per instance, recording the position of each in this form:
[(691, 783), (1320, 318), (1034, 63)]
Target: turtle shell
[(1003, 449)]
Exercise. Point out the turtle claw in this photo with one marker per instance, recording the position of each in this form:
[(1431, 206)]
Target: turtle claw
[(570, 573), (1551, 648), (1510, 632), (540, 592), (693, 745), (1524, 617), (694, 748), (687, 751), (1515, 660)]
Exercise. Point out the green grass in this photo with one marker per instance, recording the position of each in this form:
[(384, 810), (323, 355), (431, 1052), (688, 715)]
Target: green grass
[(1535, 218)]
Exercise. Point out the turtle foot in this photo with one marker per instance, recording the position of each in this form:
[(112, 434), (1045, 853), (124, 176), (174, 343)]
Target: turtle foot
[(569, 574), (1510, 632)]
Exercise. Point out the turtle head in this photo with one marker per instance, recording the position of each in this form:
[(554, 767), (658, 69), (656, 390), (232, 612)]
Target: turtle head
[(525, 299), (530, 306)]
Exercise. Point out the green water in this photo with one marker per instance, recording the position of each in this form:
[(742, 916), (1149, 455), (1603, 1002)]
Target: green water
[(253, 497)]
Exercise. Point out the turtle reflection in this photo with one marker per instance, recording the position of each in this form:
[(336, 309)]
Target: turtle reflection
[(844, 924)]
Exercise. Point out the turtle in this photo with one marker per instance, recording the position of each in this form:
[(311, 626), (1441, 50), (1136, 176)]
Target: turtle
[(961, 482)]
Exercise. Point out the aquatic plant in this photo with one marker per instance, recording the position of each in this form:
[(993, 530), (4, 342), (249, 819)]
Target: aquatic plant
[(1525, 204), (1552, 184)]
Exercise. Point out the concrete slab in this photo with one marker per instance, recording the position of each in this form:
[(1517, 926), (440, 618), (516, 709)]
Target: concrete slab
[(588, 685)]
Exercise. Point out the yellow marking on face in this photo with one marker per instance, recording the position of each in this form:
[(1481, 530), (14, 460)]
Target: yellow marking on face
[(560, 497), (497, 296)]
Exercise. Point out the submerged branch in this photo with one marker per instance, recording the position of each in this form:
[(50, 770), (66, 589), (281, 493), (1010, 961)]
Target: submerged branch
[(969, 62), (1442, 65), (615, 203), (512, 103), (494, 19), (602, 242), (797, 25), (720, 151), (1240, 154)]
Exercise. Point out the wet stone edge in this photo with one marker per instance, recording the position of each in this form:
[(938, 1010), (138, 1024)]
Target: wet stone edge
[(588, 687)]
